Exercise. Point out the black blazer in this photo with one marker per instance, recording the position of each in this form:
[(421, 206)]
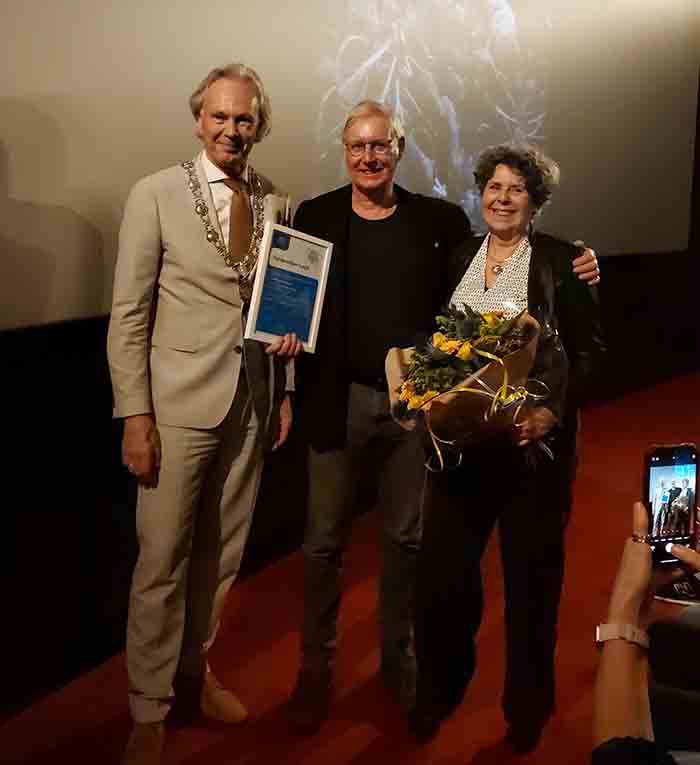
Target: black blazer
[(571, 341), (322, 384)]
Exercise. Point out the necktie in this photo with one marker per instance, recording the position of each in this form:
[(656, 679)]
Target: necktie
[(240, 220)]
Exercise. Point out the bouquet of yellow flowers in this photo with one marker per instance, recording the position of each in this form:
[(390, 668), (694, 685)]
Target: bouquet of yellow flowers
[(469, 381)]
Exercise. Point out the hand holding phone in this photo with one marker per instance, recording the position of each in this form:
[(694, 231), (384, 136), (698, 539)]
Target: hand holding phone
[(670, 481)]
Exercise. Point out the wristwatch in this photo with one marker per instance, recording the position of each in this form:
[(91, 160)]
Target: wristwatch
[(627, 632)]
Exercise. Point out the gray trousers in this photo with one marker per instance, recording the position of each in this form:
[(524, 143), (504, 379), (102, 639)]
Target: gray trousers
[(191, 529), (381, 463)]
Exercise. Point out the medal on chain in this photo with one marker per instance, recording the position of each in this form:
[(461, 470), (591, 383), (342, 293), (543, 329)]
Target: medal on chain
[(245, 267)]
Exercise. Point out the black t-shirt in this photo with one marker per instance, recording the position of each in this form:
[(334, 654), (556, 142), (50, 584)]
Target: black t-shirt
[(394, 291)]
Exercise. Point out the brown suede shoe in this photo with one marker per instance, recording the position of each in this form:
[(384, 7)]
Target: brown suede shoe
[(145, 745), (219, 704), (310, 701)]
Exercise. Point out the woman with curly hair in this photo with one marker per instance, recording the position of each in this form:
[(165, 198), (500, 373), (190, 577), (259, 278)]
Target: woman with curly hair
[(511, 269)]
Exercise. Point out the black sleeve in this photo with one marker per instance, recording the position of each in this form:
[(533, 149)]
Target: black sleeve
[(630, 751), (459, 259), (300, 222), (570, 348), (457, 226), (550, 366), (578, 314), (459, 234)]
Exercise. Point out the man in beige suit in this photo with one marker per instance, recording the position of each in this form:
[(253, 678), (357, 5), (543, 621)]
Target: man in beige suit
[(197, 400)]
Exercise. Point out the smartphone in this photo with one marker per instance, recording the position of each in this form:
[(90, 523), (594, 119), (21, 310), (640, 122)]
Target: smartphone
[(670, 495)]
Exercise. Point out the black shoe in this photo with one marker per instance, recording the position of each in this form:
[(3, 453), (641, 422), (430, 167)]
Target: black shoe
[(186, 707), (423, 725), (424, 722), (310, 701), (399, 678), (524, 738)]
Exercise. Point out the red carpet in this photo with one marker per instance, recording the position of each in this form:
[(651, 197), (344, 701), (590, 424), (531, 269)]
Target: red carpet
[(87, 722)]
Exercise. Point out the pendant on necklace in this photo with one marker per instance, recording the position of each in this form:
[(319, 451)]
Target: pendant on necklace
[(497, 268)]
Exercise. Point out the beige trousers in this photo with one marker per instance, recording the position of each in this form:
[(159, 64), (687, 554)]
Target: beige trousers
[(191, 530)]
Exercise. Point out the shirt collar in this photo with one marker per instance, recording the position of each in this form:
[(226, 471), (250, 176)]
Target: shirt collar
[(214, 174), (524, 246)]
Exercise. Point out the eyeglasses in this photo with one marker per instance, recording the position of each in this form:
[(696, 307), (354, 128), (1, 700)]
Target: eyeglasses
[(378, 148)]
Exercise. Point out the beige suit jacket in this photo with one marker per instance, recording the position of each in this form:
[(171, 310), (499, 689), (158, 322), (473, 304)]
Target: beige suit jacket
[(175, 340)]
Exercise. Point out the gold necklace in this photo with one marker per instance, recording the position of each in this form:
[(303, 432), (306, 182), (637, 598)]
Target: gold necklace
[(499, 266), (243, 268)]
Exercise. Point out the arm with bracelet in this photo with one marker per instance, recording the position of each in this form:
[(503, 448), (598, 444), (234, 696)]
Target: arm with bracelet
[(622, 726)]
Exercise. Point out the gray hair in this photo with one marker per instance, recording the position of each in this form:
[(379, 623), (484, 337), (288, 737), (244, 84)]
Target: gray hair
[(541, 173), (236, 72), (370, 108)]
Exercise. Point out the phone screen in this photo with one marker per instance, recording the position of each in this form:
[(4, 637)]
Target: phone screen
[(671, 478)]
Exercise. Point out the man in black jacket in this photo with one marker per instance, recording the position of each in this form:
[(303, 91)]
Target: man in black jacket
[(388, 279)]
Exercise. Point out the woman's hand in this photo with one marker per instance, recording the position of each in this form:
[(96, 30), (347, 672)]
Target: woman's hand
[(636, 581), (633, 590), (535, 424), (689, 558)]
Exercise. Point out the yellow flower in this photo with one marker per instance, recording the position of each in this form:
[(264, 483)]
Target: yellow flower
[(465, 351), (444, 344), (416, 401), (450, 346), (492, 318), (406, 392)]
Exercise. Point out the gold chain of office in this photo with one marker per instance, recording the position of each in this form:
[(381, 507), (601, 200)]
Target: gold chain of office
[(245, 266)]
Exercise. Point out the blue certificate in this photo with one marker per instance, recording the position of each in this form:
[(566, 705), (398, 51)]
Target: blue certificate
[(290, 284), (287, 303)]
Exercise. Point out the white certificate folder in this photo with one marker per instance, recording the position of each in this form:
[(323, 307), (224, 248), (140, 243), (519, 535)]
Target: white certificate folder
[(289, 287)]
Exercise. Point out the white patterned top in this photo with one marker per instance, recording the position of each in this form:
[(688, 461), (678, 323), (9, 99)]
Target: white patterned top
[(508, 294)]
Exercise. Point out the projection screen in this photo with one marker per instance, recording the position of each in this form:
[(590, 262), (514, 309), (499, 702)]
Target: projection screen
[(94, 96)]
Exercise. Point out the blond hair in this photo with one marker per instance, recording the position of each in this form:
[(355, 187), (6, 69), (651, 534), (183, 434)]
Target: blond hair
[(369, 108), (236, 72)]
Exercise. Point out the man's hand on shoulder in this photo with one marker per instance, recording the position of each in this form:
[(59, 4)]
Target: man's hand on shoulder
[(586, 265), (141, 449)]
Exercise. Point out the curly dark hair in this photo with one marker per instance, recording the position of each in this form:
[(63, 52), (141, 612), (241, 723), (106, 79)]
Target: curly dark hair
[(540, 172)]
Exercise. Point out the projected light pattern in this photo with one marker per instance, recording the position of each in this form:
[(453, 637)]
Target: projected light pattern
[(456, 73)]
